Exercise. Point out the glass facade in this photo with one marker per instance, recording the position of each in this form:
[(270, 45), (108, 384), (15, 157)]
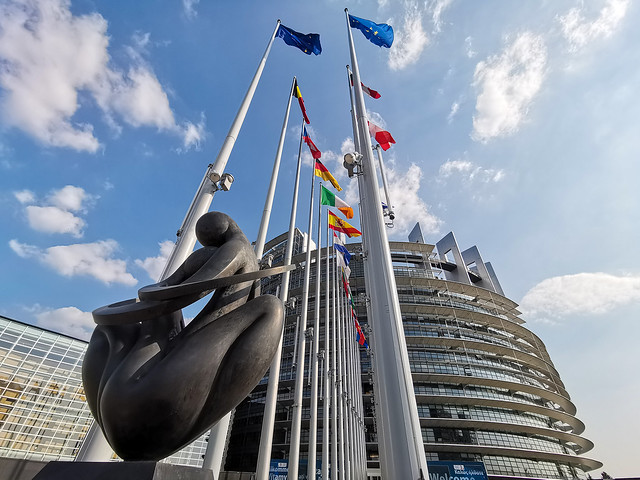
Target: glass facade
[(485, 386), (43, 413)]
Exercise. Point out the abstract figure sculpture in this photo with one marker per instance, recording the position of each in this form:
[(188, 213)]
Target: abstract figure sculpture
[(154, 385)]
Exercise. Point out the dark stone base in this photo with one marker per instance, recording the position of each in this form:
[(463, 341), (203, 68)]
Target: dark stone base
[(120, 471), (19, 469)]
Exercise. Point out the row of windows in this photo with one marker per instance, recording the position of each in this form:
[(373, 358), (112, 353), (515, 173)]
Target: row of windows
[(461, 327), (472, 357), (426, 296), (498, 465), (489, 414), (473, 366), (472, 391), (494, 439), (466, 370)]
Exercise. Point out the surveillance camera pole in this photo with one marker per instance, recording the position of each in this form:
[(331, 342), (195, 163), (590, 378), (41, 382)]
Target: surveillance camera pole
[(383, 173), (402, 453)]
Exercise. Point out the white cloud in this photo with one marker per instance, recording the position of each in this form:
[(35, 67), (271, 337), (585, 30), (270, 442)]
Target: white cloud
[(409, 40), (23, 250), (49, 56), (69, 197), (81, 259), (67, 320), (375, 117), (189, 7), (55, 215), (154, 265), (437, 7), (468, 42), (409, 208), (508, 83), (579, 294), (469, 172), (455, 106), (54, 220), (25, 196), (139, 98), (194, 134), (579, 32)]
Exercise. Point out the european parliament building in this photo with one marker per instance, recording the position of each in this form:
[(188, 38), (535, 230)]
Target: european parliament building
[(486, 389)]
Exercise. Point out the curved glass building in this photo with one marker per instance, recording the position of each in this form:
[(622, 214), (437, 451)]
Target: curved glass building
[(486, 388)]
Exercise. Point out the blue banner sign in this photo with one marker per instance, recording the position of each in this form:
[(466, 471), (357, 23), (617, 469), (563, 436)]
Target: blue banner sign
[(457, 470), (279, 467)]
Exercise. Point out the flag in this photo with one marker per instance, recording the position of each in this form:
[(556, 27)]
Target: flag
[(322, 172), (298, 95), (315, 153), (339, 225), (342, 255), (327, 197), (347, 290), (309, 43), (369, 91), (383, 137), (339, 246), (360, 338), (345, 269), (379, 34)]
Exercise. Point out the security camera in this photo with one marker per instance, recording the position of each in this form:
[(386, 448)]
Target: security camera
[(352, 158), (225, 181)]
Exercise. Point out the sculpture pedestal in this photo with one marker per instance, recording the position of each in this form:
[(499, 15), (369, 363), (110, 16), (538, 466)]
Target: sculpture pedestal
[(121, 471)]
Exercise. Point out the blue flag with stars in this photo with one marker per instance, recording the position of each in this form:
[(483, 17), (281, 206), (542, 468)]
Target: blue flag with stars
[(309, 43), (380, 34)]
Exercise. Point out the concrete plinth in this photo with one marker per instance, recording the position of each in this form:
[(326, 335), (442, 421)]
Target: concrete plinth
[(120, 471)]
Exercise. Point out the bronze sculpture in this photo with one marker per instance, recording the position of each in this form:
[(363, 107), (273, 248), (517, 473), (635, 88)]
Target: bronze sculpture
[(154, 385)]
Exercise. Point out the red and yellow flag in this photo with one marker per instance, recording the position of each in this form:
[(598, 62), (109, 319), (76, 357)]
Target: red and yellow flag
[(298, 95), (339, 225), (322, 172)]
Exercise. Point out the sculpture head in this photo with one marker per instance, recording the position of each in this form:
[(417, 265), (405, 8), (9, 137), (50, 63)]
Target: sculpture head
[(213, 229)]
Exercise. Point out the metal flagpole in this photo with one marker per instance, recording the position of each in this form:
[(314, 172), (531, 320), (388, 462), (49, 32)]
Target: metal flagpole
[(296, 423), (346, 339), (364, 247), (266, 435), (186, 239), (218, 435), (350, 398), (266, 214), (354, 124), (383, 174), (343, 470), (360, 412), (326, 404), (334, 378), (313, 418), (400, 439)]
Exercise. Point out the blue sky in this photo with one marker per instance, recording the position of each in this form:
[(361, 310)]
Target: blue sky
[(515, 128)]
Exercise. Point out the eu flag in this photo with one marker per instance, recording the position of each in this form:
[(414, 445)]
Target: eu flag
[(309, 43), (380, 34)]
